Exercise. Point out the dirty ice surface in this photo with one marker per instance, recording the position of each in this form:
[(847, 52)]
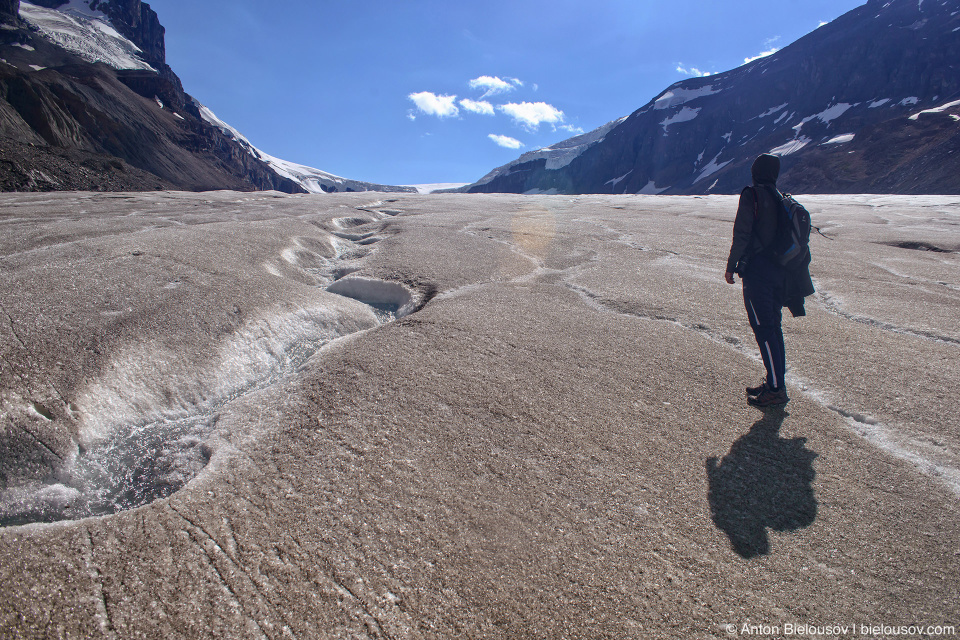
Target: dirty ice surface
[(132, 321), (140, 427)]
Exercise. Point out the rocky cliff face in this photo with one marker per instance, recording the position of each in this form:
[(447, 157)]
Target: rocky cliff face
[(138, 22), (9, 12), (836, 105)]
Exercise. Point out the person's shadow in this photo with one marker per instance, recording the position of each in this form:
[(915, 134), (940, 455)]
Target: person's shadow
[(765, 482)]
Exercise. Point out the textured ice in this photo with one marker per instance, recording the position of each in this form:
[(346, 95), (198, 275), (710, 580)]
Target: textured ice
[(87, 33)]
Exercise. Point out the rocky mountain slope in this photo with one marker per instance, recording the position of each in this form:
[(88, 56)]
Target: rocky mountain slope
[(87, 101), (866, 103)]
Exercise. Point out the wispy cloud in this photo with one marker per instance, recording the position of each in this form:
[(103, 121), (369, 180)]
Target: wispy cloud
[(762, 54), (493, 85), (505, 141), (530, 115), (569, 128), (474, 106), (769, 51), (692, 71), (435, 105)]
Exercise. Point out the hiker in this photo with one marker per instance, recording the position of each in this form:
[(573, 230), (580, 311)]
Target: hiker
[(767, 285)]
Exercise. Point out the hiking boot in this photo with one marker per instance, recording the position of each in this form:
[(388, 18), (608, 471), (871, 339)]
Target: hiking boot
[(769, 398), (757, 390)]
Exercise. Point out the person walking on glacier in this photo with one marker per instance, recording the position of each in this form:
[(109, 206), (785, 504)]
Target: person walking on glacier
[(767, 285)]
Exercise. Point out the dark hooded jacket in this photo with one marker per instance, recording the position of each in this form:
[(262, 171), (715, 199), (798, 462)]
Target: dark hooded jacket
[(756, 226)]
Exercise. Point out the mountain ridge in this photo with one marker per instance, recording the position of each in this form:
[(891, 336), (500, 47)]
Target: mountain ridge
[(869, 71), (86, 82)]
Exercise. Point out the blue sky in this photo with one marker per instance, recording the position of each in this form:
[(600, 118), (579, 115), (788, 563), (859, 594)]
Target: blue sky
[(365, 89)]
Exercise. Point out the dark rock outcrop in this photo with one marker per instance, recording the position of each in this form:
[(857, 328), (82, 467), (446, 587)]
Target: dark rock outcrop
[(866, 73), (10, 12), (137, 22)]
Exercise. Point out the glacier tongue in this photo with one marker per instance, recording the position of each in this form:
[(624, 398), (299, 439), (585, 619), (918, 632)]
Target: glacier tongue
[(85, 32)]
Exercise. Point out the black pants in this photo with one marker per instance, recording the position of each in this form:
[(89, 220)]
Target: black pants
[(763, 296)]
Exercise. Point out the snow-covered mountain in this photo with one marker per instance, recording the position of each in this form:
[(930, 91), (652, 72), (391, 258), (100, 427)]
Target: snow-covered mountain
[(309, 179), (866, 103), (87, 101)]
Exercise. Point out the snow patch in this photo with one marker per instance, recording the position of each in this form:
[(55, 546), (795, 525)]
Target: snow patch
[(557, 155), (772, 110), (423, 189), (712, 167), (846, 137), (791, 147), (677, 97), (650, 189), (825, 116), (940, 109), (613, 183), (878, 103), (906, 102), (684, 115)]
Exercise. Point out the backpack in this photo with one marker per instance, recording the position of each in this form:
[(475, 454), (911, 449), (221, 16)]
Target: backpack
[(790, 247)]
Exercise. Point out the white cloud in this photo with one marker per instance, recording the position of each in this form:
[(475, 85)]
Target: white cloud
[(434, 105), (569, 128), (492, 85), (474, 106), (505, 141), (762, 54), (530, 115), (692, 71)]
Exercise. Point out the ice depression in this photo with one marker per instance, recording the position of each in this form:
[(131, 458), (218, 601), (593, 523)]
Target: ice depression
[(552, 440)]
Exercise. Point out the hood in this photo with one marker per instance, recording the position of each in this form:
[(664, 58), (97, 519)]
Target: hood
[(765, 169)]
